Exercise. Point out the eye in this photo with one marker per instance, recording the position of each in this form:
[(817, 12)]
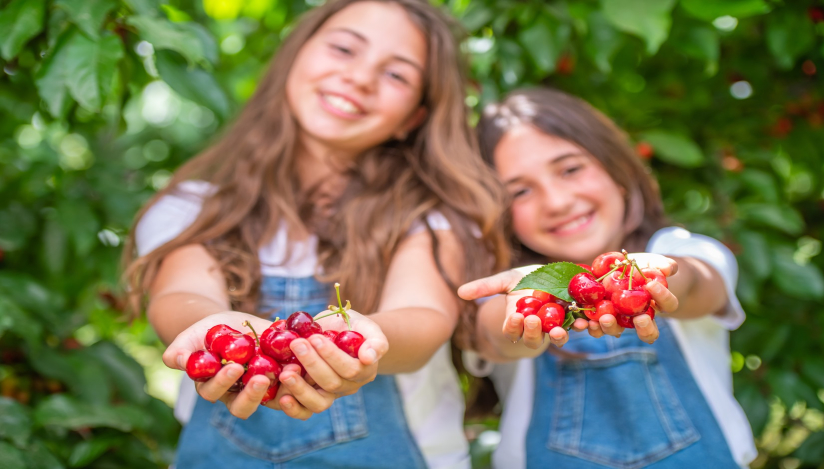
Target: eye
[(342, 49), (397, 77), (572, 169), (520, 193)]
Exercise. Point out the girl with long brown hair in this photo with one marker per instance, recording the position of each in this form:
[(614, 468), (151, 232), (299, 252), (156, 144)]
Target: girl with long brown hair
[(353, 162), (659, 395)]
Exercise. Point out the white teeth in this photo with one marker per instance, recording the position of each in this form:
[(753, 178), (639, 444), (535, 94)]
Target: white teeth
[(341, 104), (573, 224)]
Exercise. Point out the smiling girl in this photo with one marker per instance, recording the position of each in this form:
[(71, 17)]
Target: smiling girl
[(353, 162), (658, 396)]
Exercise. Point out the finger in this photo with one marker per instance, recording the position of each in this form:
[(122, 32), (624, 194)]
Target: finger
[(664, 298), (488, 286), (533, 335), (580, 325), (558, 336), (316, 400), (610, 326), (216, 387), (247, 401), (646, 328), (316, 367), (291, 407), (345, 370), (671, 269), (595, 329), (514, 327)]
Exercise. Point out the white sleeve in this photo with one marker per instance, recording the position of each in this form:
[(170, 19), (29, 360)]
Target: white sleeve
[(169, 216), (679, 242)]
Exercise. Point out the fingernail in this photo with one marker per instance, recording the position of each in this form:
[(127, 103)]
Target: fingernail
[(642, 322), (300, 349), (371, 355), (316, 342), (235, 373), (258, 386), (180, 363), (290, 381), (609, 323), (531, 325), (287, 405)]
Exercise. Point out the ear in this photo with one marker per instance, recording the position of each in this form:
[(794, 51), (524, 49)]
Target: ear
[(415, 119)]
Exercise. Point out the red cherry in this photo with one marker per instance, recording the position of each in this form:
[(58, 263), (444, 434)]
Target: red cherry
[(529, 310), (203, 365), (279, 325), (261, 365), (631, 302), (585, 266), (650, 311), (314, 328), (601, 308), (644, 150), (301, 323), (613, 282), (293, 360), (237, 386), (350, 342), (276, 344), (655, 274), (271, 392), (543, 296), (215, 332), (625, 321), (585, 289), (528, 301), (331, 335), (234, 347), (551, 315), (816, 14), (605, 262)]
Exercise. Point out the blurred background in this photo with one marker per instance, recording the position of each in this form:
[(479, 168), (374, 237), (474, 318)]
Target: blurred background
[(100, 100)]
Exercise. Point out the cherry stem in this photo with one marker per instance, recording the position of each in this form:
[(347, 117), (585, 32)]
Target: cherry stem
[(635, 264), (249, 325), (340, 309), (625, 253), (611, 271)]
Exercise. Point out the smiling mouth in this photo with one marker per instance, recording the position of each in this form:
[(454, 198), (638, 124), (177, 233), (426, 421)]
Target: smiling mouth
[(572, 225), (341, 105)]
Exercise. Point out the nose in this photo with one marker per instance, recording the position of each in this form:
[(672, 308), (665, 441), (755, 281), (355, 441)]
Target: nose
[(361, 74), (557, 198)]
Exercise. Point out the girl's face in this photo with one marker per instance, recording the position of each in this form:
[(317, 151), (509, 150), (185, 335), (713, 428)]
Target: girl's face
[(358, 81), (564, 204)]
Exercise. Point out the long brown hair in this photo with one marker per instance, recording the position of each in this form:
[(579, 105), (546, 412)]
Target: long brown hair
[(389, 188), (565, 116)]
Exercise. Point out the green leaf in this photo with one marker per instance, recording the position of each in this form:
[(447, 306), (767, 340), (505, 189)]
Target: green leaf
[(192, 83), (544, 40), (702, 42), (60, 410), (16, 225), (11, 457), (674, 148), (812, 450), (647, 19), (15, 423), (126, 373), (88, 15), (781, 217), (476, 15), (568, 320), (800, 281), (163, 34), (87, 451), (38, 456), (16, 320), (602, 42), (552, 278), (711, 9), (755, 257), (79, 222), (813, 369), (755, 405), (789, 35), (20, 21), (54, 246)]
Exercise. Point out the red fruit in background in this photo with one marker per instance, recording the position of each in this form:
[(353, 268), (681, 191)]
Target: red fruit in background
[(605, 262), (565, 64), (644, 150), (234, 347), (276, 344), (782, 127), (203, 365), (816, 14), (528, 301), (585, 266), (301, 323), (217, 331), (625, 321), (585, 289), (551, 315), (655, 274), (350, 342), (279, 325), (261, 365), (271, 392), (631, 302), (331, 335), (601, 308), (543, 296)]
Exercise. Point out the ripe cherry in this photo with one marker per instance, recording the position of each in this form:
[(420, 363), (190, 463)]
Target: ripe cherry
[(585, 266), (215, 332), (601, 308), (271, 392), (293, 360), (279, 325), (625, 321), (613, 282), (585, 289), (331, 335), (605, 262), (528, 310), (276, 344), (203, 365), (300, 322), (350, 342), (314, 328), (234, 347), (655, 274), (543, 296), (261, 365), (528, 301), (631, 302), (551, 315)]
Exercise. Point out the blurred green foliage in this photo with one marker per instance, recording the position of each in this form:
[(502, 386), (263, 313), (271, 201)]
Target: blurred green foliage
[(100, 100)]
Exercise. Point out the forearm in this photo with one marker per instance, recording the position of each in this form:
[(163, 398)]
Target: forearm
[(493, 344), (699, 288), (414, 335)]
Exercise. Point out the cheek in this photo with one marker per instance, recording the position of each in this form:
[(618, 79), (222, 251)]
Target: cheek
[(524, 221)]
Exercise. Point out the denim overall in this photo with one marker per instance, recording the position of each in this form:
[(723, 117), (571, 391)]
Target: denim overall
[(367, 429), (626, 404)]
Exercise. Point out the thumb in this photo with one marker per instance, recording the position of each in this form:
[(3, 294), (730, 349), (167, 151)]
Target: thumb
[(497, 284)]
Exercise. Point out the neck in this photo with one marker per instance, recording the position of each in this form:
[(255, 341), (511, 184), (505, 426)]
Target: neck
[(316, 161)]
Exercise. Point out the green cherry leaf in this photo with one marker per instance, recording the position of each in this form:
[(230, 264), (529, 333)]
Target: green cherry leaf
[(552, 278), (570, 318)]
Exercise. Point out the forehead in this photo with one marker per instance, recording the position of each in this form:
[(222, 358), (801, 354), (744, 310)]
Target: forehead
[(524, 148), (386, 27)]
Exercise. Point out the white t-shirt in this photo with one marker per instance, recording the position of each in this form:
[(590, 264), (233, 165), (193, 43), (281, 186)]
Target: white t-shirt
[(703, 341), (432, 396)]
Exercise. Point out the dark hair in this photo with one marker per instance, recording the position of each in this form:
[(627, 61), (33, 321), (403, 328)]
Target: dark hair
[(565, 116)]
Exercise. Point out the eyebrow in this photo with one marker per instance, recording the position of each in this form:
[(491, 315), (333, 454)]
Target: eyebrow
[(364, 39), (554, 161)]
